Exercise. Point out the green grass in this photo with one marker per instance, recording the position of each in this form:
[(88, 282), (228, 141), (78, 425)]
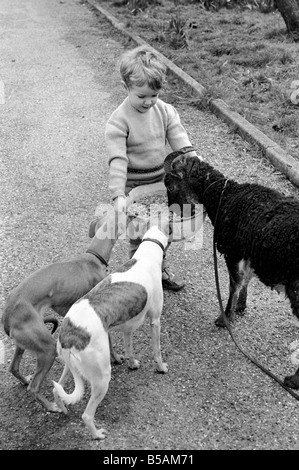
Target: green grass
[(241, 56)]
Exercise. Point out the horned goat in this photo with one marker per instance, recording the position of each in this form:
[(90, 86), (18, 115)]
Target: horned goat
[(257, 230)]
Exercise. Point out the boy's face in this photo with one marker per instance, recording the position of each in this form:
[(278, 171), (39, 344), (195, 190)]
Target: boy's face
[(142, 98)]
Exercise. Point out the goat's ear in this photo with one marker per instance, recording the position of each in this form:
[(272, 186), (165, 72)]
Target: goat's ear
[(186, 167), (180, 167), (193, 168)]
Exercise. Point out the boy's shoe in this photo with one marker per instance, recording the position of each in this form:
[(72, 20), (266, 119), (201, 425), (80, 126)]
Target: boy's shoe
[(170, 282)]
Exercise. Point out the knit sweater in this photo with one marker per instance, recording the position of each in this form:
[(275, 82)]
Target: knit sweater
[(136, 143)]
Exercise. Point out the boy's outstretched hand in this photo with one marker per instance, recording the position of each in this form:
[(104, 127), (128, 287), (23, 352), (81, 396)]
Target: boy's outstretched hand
[(120, 204)]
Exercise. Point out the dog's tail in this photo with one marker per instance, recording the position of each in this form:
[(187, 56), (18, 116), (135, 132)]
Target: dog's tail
[(73, 362)]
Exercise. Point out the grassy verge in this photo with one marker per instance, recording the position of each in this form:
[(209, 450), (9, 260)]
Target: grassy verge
[(242, 56)]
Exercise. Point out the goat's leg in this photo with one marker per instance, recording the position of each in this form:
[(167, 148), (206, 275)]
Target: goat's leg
[(231, 303), (247, 274), (292, 292), (242, 300), (240, 274)]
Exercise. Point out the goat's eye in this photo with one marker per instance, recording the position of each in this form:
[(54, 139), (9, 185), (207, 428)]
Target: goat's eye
[(171, 188)]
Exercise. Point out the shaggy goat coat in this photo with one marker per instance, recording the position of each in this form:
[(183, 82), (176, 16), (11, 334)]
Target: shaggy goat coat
[(257, 230), (254, 222)]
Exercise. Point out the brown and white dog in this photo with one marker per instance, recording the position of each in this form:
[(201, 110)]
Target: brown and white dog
[(57, 286), (121, 302)]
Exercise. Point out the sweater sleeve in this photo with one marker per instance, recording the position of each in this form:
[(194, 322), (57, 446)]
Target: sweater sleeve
[(115, 137), (176, 134)]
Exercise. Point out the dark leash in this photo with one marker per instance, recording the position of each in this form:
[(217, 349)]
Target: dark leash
[(225, 319)]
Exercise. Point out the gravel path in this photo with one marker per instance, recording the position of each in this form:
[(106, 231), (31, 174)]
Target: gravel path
[(61, 83)]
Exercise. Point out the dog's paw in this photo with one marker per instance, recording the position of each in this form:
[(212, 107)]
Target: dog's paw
[(99, 434), (162, 368), (28, 379), (117, 358), (133, 363), (55, 408), (58, 404)]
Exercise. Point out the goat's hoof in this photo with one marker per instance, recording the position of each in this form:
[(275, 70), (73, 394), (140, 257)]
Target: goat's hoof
[(241, 310), (219, 322), (292, 381)]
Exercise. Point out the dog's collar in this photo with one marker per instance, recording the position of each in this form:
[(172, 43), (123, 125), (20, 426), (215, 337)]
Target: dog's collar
[(154, 241), (98, 256)]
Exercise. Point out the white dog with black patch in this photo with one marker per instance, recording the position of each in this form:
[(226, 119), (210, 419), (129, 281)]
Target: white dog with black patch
[(121, 301)]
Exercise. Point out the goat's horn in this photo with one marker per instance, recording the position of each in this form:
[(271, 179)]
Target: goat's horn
[(172, 156)]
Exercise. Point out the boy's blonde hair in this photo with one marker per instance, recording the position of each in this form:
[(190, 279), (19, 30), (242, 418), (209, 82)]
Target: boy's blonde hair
[(141, 66)]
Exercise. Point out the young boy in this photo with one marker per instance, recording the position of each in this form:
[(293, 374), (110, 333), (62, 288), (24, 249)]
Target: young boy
[(137, 132)]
